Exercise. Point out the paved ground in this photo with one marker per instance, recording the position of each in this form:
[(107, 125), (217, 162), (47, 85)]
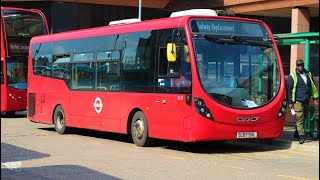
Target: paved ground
[(36, 151), (288, 142)]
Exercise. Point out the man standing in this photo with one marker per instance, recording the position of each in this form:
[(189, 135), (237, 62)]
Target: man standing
[(300, 88)]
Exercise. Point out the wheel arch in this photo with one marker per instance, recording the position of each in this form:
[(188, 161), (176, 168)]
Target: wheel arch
[(131, 114), (54, 109)]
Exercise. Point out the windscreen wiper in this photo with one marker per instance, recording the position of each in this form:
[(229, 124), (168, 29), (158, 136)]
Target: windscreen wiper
[(215, 39), (237, 40), (255, 41)]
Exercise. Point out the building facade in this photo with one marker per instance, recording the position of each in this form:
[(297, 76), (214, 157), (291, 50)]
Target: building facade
[(282, 16)]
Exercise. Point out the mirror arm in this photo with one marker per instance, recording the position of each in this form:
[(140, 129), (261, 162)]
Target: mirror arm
[(178, 35)]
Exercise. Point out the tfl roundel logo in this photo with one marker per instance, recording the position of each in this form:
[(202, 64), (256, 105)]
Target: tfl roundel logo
[(98, 105)]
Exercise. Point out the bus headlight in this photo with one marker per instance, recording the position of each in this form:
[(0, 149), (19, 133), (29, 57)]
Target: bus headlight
[(202, 108), (282, 110)]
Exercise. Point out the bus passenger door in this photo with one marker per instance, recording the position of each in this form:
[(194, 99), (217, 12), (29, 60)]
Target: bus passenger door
[(173, 86), (83, 99), (169, 111), (107, 91)]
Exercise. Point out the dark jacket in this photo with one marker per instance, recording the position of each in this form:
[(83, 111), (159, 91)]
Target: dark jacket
[(303, 93)]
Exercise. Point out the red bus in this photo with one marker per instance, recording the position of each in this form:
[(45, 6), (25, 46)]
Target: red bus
[(18, 26), (185, 78)]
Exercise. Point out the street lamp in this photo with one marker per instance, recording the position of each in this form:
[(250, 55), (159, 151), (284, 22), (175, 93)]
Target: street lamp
[(140, 6)]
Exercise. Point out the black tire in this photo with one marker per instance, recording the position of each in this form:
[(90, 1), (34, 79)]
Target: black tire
[(59, 120), (139, 130), (10, 113)]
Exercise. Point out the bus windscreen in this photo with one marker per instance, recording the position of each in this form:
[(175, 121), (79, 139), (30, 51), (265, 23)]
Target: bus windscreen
[(236, 62), (23, 23)]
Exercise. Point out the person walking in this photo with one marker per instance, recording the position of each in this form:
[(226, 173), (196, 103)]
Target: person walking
[(300, 88)]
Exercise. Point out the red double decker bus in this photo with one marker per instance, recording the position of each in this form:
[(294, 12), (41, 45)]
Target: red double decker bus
[(18, 26), (185, 78)]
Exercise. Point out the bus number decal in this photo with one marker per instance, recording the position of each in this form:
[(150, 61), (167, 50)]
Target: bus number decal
[(180, 98)]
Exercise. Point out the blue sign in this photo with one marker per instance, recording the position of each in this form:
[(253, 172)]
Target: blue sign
[(228, 27)]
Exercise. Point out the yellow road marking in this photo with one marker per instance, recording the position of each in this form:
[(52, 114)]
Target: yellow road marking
[(283, 156), (173, 157), (292, 177), (295, 152), (133, 149), (96, 142), (235, 167), (267, 155), (236, 157), (245, 155), (38, 133)]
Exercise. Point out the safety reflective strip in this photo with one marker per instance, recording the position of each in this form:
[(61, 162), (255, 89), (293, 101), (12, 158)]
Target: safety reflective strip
[(314, 91)]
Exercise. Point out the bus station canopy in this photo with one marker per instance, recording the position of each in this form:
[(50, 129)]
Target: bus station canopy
[(297, 38), (305, 38)]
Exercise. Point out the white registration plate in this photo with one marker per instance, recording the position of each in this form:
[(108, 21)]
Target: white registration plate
[(247, 135)]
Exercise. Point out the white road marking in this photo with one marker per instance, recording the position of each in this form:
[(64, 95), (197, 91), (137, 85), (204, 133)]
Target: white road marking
[(14, 165)]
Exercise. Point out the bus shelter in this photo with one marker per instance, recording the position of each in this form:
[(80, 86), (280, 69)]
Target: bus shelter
[(305, 38)]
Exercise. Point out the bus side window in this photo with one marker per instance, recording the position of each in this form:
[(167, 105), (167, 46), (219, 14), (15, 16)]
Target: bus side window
[(66, 75), (82, 76), (58, 74), (47, 72)]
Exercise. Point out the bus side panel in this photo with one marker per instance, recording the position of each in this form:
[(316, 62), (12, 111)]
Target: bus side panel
[(109, 118), (47, 97), (140, 101), (48, 102), (80, 111), (17, 99), (4, 98), (164, 113), (3, 74)]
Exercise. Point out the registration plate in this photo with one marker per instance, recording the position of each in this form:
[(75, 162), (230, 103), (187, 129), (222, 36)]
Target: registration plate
[(247, 135)]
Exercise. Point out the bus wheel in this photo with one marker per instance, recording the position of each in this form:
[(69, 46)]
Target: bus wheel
[(59, 120), (139, 130), (10, 113)]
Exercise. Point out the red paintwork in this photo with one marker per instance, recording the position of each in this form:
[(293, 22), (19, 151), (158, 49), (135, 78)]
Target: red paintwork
[(174, 120), (13, 99)]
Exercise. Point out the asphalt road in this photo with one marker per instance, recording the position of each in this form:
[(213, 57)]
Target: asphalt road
[(36, 151)]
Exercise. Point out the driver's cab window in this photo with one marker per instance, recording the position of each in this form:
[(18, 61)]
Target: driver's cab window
[(16, 72), (173, 77)]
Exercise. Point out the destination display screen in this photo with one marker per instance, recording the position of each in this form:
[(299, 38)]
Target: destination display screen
[(228, 27), (17, 47)]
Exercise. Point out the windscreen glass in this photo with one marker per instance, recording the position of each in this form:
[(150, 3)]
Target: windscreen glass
[(236, 62)]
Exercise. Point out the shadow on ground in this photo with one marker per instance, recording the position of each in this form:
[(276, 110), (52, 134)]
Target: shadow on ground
[(208, 147), (20, 114), (12, 158), (11, 153), (61, 172)]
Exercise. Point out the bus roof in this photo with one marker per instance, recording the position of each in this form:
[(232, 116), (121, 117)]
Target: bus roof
[(162, 23), (19, 9)]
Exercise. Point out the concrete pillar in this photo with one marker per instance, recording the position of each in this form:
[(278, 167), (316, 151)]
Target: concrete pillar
[(300, 22)]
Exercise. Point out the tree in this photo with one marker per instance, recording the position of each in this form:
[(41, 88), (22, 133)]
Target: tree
[(224, 12)]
